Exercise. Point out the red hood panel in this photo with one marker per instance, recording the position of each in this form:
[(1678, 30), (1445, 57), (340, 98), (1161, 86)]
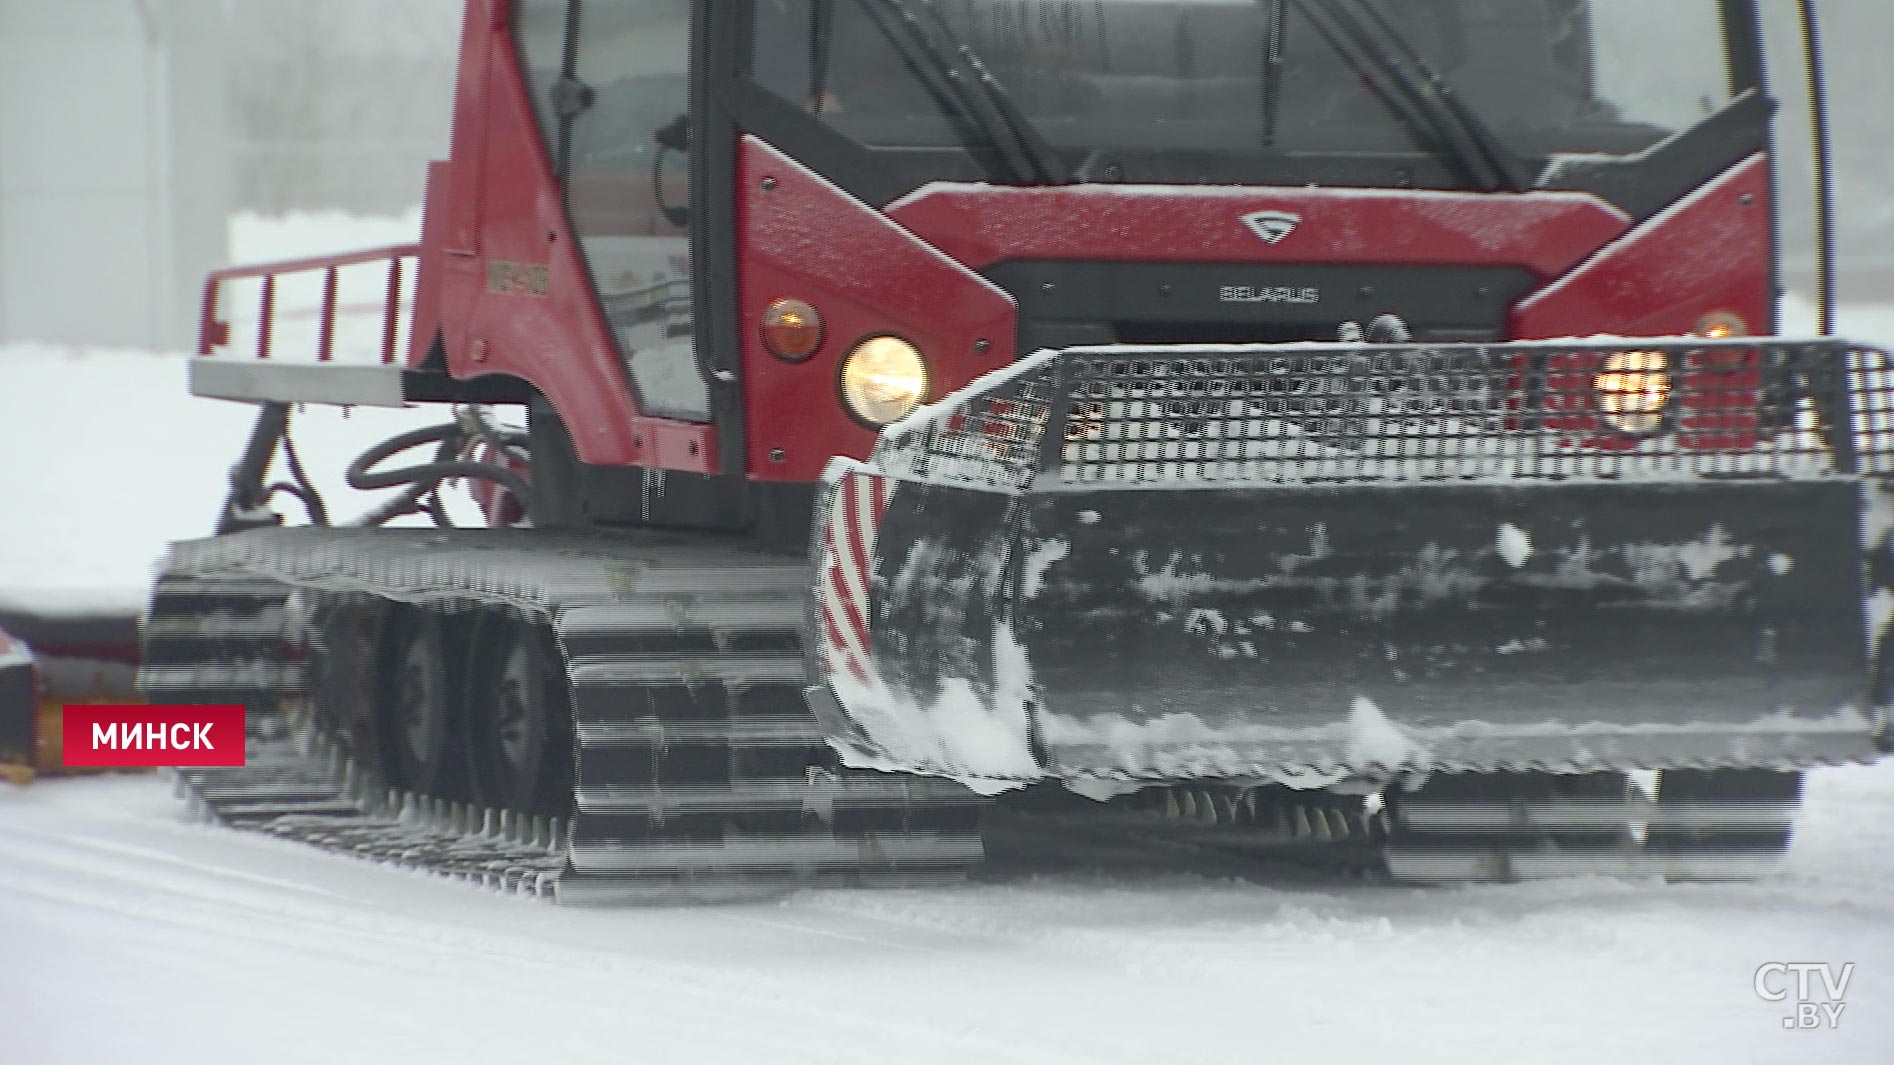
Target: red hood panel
[(1708, 251), (1547, 233)]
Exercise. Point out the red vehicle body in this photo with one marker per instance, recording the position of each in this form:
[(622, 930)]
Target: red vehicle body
[(496, 213), (915, 292)]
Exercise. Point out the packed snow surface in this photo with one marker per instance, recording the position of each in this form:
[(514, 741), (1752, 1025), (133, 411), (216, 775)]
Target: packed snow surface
[(133, 936)]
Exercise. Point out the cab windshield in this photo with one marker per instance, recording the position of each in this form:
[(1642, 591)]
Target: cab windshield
[(1543, 77)]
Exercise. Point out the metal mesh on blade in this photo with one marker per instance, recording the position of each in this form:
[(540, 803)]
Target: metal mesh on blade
[(1871, 395), (987, 436), (1534, 411)]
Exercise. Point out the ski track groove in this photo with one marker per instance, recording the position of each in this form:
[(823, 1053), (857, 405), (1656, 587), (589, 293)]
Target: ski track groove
[(1097, 964), (150, 895)]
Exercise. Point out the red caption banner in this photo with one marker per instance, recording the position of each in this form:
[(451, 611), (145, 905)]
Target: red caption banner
[(153, 736)]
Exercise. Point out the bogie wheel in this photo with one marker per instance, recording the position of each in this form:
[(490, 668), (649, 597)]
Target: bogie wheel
[(341, 642), (519, 718), (418, 705)]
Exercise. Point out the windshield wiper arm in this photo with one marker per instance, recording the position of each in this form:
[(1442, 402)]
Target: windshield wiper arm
[(1420, 96), (1497, 158), (978, 102), (821, 38), (1038, 154), (1273, 15)]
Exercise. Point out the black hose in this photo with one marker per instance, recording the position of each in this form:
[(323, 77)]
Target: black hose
[(303, 490), (408, 502), (503, 439), (246, 504), (436, 511), (430, 472), (358, 474), (312, 503), (431, 503), (422, 479), (419, 497)]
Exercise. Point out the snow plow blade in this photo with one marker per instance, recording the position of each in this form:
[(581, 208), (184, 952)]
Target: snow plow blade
[(1314, 562)]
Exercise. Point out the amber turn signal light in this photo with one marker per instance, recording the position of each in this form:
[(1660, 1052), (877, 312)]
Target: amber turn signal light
[(792, 330), (1721, 325)]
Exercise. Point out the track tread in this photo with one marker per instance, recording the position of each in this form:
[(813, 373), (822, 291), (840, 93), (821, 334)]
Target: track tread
[(699, 772)]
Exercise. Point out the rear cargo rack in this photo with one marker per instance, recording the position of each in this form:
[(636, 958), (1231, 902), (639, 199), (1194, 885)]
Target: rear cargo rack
[(307, 372)]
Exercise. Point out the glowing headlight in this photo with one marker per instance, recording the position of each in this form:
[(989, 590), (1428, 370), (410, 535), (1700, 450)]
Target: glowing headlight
[(1633, 388), (883, 379)]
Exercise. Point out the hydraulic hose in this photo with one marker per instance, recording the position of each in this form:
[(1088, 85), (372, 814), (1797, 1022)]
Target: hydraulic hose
[(421, 479)]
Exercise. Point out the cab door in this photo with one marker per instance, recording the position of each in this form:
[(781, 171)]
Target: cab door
[(609, 81)]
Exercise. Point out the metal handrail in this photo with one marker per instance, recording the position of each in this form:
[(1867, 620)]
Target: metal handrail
[(214, 332)]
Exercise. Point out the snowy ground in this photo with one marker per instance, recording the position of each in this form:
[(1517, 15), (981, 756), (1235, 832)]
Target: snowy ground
[(132, 936)]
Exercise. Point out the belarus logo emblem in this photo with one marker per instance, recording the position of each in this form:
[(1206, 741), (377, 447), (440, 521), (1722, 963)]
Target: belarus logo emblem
[(1273, 226)]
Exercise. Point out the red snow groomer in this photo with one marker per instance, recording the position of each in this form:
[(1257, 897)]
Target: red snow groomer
[(935, 410)]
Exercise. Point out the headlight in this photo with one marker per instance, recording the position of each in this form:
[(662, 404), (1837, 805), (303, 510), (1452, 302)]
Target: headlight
[(883, 379), (1633, 388)]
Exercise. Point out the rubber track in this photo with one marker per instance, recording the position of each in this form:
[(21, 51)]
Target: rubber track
[(1476, 828), (211, 640), (700, 774), (1506, 827)]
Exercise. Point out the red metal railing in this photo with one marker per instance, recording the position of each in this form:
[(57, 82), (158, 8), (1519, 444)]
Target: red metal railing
[(214, 331)]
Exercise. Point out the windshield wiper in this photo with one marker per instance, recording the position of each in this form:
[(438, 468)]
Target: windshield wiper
[(1272, 69), (982, 108), (1421, 98), (821, 37), (1497, 158), (1036, 152)]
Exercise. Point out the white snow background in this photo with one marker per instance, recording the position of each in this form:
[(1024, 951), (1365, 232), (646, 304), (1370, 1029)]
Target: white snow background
[(130, 936)]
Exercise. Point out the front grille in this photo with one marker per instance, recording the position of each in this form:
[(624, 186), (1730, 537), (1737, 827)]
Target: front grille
[(1174, 416), (1141, 334)]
